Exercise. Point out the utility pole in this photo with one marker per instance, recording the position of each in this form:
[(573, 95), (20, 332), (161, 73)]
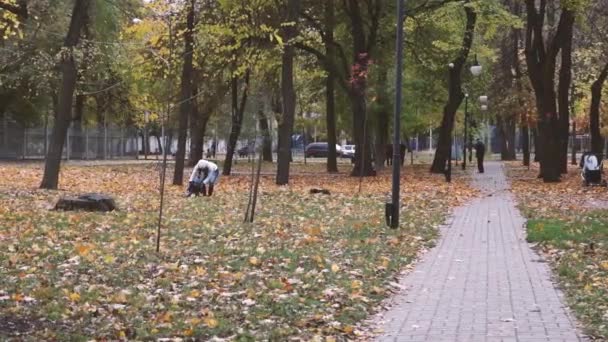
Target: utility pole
[(169, 105), (395, 206)]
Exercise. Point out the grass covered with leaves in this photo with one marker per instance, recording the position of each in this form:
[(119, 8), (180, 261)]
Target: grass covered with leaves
[(570, 225), (310, 265)]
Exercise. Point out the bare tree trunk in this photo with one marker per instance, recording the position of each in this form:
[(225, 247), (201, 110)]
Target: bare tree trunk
[(541, 59), (382, 120), (597, 141), (237, 120), (288, 95), (185, 107), (525, 142), (69, 72), (267, 137), (525, 125), (198, 127), (455, 96), (159, 143), (537, 153), (357, 91), (332, 164), (506, 127), (198, 123), (564, 87)]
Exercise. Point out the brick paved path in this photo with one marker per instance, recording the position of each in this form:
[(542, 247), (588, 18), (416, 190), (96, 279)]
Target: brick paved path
[(482, 282)]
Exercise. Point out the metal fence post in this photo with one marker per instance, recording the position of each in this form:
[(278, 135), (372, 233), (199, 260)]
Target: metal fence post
[(122, 141), (86, 143), (24, 142), (105, 140), (46, 134)]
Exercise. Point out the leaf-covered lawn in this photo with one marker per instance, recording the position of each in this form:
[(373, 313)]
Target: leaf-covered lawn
[(570, 224), (310, 264)]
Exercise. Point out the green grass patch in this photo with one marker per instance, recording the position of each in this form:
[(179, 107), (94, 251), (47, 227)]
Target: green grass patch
[(578, 250)]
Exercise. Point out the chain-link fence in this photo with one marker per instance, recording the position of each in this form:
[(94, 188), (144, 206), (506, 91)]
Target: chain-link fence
[(104, 142)]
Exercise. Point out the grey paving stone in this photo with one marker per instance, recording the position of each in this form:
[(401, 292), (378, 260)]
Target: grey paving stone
[(482, 282)]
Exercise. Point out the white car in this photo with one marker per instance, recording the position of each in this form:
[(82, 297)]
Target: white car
[(348, 151)]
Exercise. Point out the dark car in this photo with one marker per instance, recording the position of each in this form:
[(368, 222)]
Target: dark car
[(245, 151), (320, 150)]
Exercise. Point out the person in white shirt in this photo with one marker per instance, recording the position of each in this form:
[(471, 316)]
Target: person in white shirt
[(591, 168), (591, 163), (205, 174)]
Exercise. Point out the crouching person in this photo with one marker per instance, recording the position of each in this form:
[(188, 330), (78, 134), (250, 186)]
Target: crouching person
[(203, 178)]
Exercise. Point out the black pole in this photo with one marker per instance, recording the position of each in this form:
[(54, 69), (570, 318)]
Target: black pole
[(304, 144), (165, 148), (394, 222), (464, 141), (448, 172)]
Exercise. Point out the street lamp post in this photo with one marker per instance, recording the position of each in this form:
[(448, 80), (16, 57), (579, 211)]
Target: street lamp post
[(476, 70), (392, 209), (464, 141)]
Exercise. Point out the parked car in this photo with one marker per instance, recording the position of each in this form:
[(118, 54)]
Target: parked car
[(348, 151), (245, 151), (320, 150)]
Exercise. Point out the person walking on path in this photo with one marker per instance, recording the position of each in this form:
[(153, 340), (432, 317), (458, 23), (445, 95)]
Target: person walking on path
[(205, 173), (480, 152)]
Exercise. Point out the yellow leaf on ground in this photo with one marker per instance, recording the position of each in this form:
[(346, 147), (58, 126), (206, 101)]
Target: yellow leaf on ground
[(165, 318), (74, 297), (335, 268), (211, 322), (200, 271), (314, 231), (108, 259), (254, 261), (385, 262)]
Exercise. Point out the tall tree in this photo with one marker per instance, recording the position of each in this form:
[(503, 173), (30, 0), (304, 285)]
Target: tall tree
[(597, 141), (287, 92), (455, 93), (541, 59), (69, 71), (597, 41), (330, 81), (237, 113), (202, 111), (564, 91), (524, 119), (364, 33), (187, 96)]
